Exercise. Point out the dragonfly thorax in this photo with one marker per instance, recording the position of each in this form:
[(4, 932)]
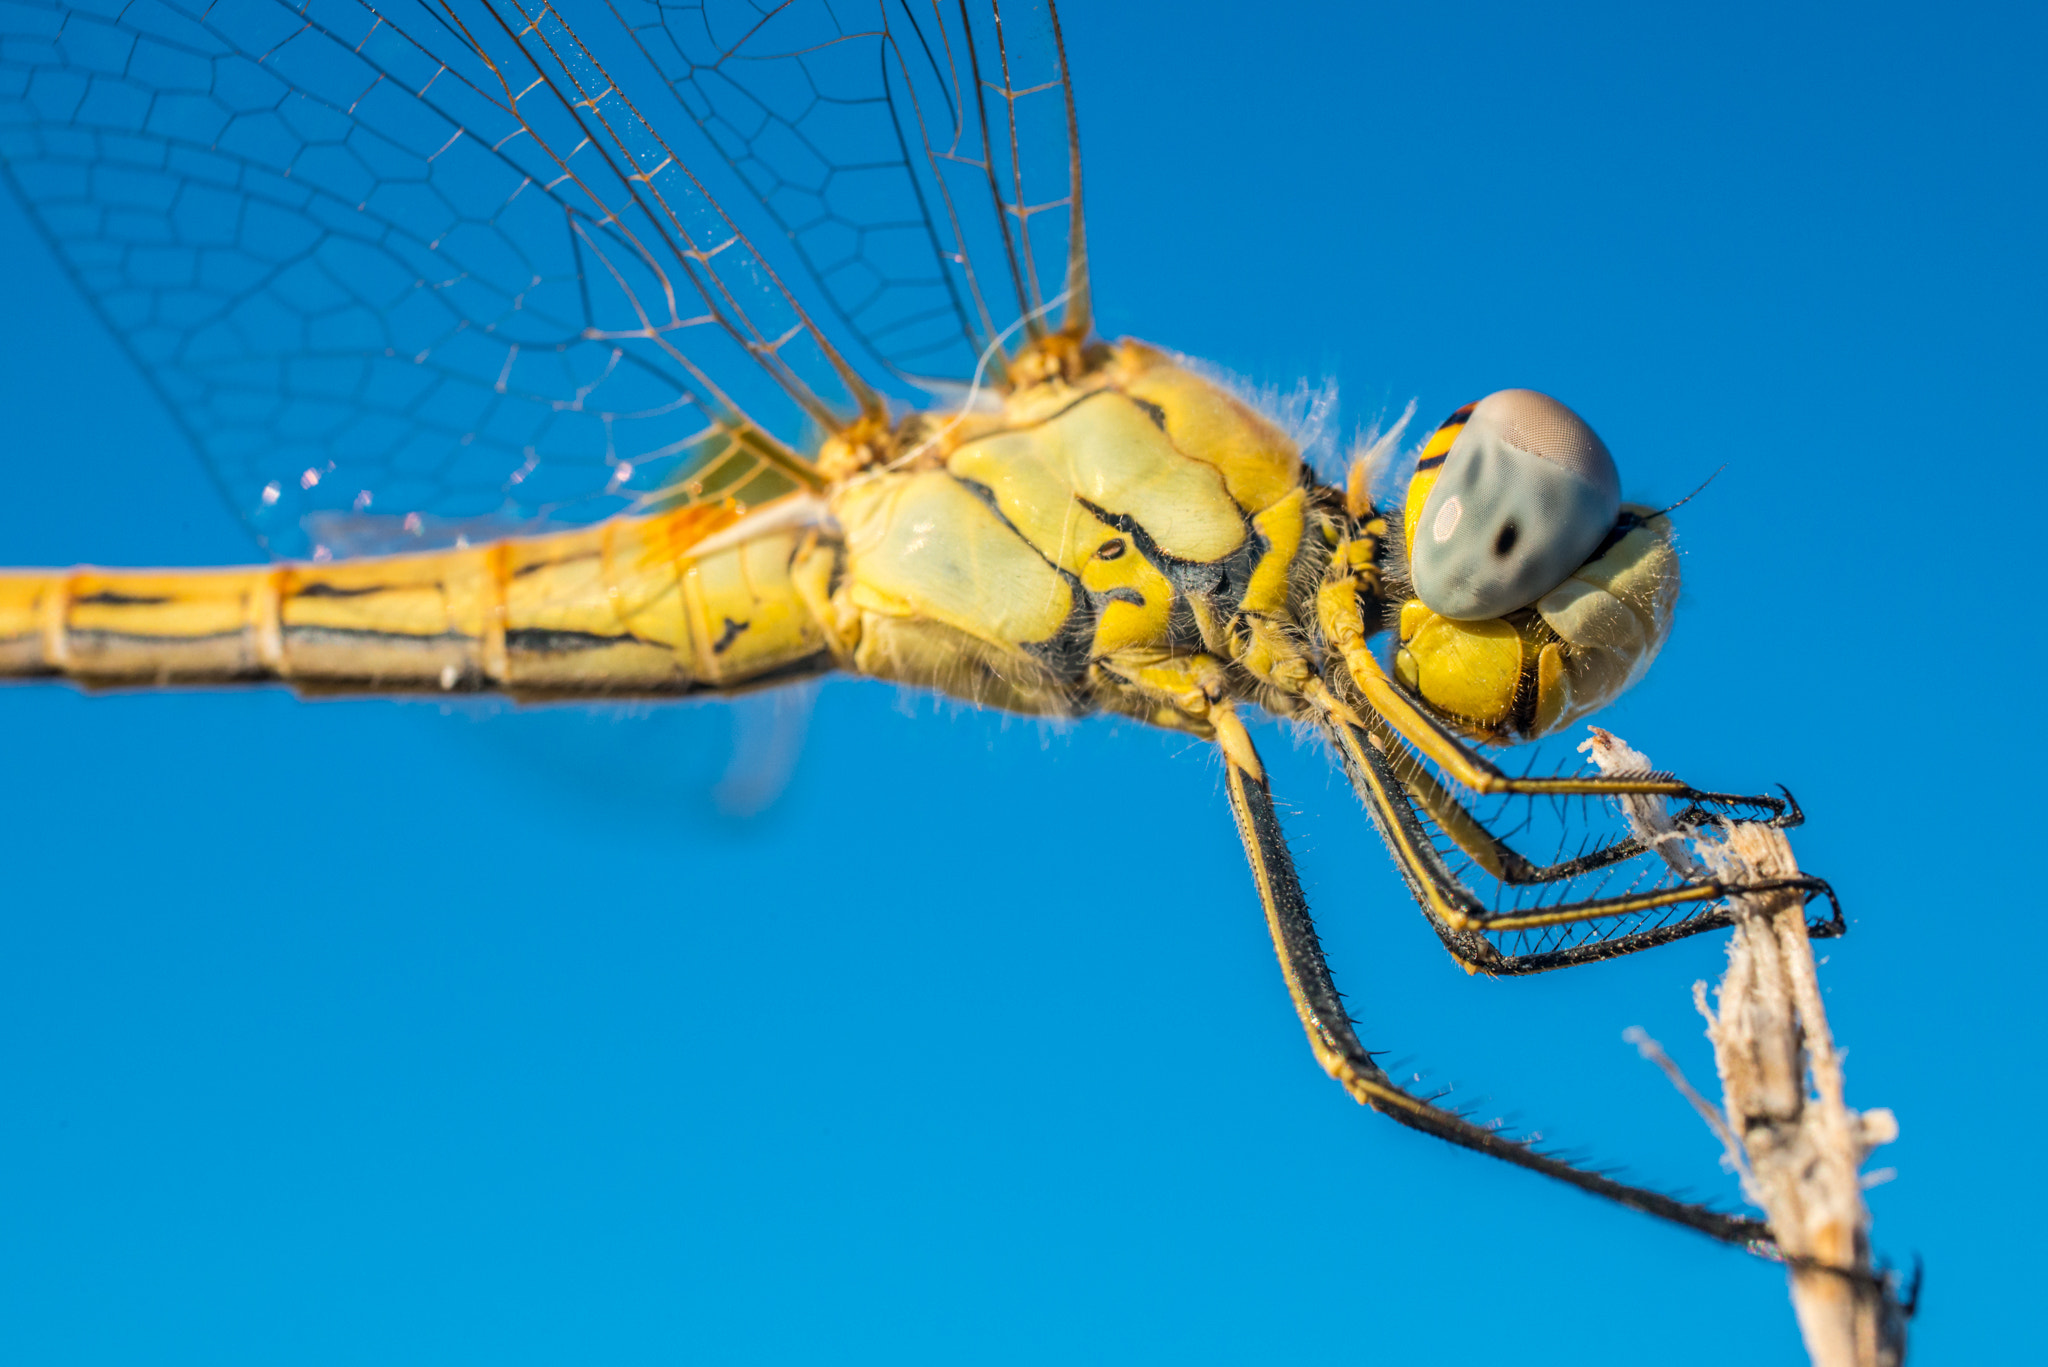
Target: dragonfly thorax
[(1045, 557)]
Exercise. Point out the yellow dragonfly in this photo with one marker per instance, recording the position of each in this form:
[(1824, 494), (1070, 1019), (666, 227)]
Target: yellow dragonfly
[(655, 349)]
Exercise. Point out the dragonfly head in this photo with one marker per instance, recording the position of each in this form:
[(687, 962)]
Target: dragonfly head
[(1539, 596), (1511, 495)]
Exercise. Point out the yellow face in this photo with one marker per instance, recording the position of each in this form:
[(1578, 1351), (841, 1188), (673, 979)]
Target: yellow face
[(1574, 594)]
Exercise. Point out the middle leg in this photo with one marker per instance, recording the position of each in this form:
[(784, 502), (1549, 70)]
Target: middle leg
[(1336, 1046)]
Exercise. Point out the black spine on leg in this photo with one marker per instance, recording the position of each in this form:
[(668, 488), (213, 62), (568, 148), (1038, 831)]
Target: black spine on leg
[(1316, 998)]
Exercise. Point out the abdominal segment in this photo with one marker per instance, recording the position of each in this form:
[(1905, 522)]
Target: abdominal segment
[(671, 603)]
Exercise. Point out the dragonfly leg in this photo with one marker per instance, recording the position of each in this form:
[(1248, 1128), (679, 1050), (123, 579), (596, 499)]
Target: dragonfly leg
[(1463, 922), (1185, 692), (1337, 1047), (1441, 804), (1344, 1058)]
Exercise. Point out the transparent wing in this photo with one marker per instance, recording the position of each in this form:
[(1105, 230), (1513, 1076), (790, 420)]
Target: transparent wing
[(420, 270), (922, 157), (419, 264)]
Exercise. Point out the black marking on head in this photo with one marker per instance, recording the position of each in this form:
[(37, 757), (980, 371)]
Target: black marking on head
[(1504, 544), (727, 636), (1623, 525), (1152, 411), (108, 598)]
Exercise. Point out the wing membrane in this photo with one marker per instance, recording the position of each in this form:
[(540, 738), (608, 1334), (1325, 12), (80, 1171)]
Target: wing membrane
[(423, 269), (410, 260), (919, 155)]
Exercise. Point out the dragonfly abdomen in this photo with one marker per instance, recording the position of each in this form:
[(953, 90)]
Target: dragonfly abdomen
[(699, 598)]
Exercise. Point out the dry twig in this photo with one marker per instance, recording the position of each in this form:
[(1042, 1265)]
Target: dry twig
[(1800, 1148)]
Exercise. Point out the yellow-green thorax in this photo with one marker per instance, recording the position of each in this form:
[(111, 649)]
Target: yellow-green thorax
[(1137, 514)]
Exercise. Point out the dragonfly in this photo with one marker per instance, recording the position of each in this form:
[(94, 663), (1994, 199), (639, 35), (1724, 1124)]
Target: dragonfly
[(649, 349)]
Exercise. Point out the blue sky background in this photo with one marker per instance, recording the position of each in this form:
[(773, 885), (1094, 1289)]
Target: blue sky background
[(392, 1032)]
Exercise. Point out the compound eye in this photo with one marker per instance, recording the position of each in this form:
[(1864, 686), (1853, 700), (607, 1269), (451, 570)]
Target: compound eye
[(1526, 493)]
